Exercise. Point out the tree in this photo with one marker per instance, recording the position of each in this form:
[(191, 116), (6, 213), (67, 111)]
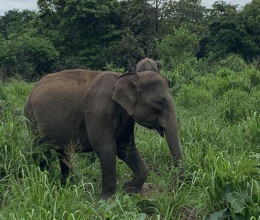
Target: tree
[(16, 23), (188, 13), (80, 28), (27, 56), (138, 33), (126, 52), (230, 32), (157, 5), (175, 48), (251, 18)]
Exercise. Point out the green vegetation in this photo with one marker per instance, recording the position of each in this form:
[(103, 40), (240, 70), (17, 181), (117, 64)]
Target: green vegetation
[(211, 59), (65, 34), (219, 126)]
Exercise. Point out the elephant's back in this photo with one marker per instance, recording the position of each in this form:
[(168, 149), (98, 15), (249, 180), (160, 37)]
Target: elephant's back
[(74, 77), (60, 92)]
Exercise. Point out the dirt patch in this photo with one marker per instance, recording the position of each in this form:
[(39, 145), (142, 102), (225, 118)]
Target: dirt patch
[(149, 189)]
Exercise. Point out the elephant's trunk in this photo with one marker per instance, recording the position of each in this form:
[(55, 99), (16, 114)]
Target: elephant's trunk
[(168, 122), (173, 143)]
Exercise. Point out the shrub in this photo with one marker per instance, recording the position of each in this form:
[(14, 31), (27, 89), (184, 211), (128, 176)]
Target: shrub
[(251, 128), (254, 76), (217, 85), (175, 48), (233, 62), (234, 80), (27, 56), (186, 72), (256, 100), (192, 96), (112, 67), (225, 79), (234, 188), (235, 105)]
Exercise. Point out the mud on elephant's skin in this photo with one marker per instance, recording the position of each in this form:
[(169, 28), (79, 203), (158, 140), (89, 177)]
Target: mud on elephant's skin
[(99, 109), (148, 64)]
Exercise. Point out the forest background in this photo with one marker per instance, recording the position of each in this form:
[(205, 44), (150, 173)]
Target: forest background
[(99, 34)]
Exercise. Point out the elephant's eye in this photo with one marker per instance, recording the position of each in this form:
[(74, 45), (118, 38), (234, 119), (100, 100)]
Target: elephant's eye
[(160, 104)]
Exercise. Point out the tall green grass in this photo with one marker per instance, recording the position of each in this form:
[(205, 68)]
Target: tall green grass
[(219, 125)]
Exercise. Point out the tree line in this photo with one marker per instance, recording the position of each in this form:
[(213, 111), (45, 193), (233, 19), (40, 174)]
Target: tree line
[(101, 34)]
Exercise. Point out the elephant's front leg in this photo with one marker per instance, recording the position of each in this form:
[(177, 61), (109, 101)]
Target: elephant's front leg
[(131, 156), (103, 142)]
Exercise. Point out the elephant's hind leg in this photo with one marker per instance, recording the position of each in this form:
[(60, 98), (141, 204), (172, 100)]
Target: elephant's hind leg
[(65, 166), (42, 155)]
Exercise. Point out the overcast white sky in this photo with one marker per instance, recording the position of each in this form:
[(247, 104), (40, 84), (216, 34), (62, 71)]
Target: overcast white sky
[(6, 5)]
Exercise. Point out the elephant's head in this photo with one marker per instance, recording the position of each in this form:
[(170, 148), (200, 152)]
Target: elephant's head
[(146, 97), (148, 64)]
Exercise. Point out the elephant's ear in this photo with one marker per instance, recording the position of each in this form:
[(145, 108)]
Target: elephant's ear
[(159, 65), (126, 92)]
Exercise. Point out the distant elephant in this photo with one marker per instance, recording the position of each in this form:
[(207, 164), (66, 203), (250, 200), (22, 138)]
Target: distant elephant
[(99, 110), (159, 65), (148, 64)]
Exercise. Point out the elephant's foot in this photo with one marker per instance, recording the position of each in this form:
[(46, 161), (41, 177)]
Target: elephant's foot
[(132, 188), (108, 191), (107, 195)]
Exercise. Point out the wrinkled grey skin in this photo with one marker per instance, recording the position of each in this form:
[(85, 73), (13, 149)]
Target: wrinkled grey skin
[(99, 111), (159, 65), (148, 64)]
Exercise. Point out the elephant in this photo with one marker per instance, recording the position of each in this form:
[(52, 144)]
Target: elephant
[(159, 65), (148, 64), (99, 109)]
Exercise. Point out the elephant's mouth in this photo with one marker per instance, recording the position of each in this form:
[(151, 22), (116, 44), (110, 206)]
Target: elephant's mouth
[(157, 127), (160, 130)]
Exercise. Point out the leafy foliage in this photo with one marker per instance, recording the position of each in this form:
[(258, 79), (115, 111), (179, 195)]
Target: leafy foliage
[(192, 96), (229, 32), (80, 29), (27, 56), (251, 18), (16, 23), (89, 34), (174, 49)]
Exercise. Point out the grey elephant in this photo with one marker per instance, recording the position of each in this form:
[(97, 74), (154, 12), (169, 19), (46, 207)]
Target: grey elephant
[(99, 110), (148, 64)]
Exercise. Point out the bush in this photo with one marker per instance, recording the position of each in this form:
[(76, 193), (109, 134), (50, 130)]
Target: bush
[(219, 85), (254, 76), (256, 100), (235, 105), (234, 189), (112, 67), (175, 48), (187, 72), (233, 62), (225, 79), (26, 56), (192, 96), (251, 128)]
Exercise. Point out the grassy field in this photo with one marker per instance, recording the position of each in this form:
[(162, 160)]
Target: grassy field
[(219, 126)]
